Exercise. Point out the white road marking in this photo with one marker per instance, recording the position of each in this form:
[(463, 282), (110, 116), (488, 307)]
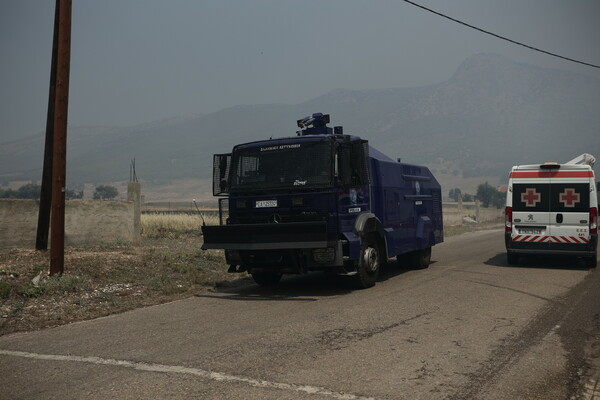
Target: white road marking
[(215, 376)]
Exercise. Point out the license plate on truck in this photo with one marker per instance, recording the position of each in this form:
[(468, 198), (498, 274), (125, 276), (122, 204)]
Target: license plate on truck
[(266, 203)]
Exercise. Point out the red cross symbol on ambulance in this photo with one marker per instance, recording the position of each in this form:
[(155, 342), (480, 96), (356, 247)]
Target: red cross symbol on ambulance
[(569, 197), (530, 197)]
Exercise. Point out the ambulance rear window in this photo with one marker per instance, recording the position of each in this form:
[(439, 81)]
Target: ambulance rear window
[(556, 197), (570, 197), (531, 197)]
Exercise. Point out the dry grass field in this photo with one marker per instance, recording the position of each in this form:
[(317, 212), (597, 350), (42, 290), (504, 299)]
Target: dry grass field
[(159, 225), (111, 278)]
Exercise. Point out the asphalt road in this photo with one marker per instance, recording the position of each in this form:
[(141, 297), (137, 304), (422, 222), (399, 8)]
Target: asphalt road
[(469, 327)]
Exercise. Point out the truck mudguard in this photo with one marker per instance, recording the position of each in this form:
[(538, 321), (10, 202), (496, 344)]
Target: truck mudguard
[(367, 222)]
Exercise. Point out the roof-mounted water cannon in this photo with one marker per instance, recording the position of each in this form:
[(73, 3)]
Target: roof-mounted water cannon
[(315, 124)]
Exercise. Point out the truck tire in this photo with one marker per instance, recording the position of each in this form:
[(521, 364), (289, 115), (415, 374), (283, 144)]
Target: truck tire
[(403, 260), (266, 278), (421, 259), (369, 264), (512, 258)]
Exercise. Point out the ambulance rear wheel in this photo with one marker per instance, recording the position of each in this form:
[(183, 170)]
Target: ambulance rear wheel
[(369, 264), (421, 258), (266, 278), (512, 258)]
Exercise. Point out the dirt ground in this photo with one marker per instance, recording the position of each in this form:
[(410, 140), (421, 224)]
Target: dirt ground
[(103, 280)]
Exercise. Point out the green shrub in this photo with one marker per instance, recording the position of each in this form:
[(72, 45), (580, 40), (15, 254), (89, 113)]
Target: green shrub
[(5, 289)]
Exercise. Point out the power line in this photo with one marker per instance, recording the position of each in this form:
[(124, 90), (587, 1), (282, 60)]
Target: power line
[(501, 37)]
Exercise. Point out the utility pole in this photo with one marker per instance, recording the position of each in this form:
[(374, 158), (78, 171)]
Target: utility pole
[(43, 227), (59, 148)]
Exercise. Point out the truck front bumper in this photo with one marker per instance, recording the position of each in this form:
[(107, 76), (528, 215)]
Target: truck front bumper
[(296, 235), (295, 246)]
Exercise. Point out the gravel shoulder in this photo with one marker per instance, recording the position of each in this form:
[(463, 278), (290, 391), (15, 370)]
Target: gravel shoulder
[(103, 280)]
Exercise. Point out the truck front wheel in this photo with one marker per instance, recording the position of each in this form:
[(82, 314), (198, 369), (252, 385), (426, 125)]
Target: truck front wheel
[(369, 264), (266, 278)]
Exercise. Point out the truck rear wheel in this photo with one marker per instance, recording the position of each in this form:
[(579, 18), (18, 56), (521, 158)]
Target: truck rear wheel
[(421, 259), (403, 260), (368, 265), (266, 278), (512, 258)]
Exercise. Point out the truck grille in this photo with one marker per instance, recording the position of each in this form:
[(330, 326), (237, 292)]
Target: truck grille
[(437, 206)]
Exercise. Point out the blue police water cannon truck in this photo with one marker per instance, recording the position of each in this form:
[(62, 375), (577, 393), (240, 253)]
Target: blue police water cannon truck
[(321, 201)]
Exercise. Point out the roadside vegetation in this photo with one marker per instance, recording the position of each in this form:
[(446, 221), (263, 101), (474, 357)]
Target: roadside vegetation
[(115, 277), (487, 194), (107, 279), (32, 191), (172, 225), (105, 192)]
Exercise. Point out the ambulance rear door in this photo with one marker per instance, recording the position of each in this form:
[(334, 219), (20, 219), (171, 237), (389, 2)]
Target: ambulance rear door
[(570, 206), (531, 207)]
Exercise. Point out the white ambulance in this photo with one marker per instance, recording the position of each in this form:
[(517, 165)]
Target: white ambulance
[(552, 209)]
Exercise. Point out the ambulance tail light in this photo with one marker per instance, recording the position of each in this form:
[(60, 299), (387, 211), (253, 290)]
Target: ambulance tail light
[(593, 221), (508, 219)]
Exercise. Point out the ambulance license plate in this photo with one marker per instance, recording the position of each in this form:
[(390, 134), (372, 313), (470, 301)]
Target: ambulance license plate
[(266, 203), (530, 231)]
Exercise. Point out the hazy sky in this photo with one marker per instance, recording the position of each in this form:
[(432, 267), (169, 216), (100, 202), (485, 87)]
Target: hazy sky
[(135, 61)]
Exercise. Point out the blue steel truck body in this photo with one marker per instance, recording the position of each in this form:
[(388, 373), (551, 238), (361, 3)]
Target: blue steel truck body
[(321, 200)]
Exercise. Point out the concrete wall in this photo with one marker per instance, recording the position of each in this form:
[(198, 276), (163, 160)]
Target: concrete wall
[(455, 213), (86, 222)]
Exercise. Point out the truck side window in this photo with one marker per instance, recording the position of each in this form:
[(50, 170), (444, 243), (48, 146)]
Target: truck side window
[(352, 164), (343, 170)]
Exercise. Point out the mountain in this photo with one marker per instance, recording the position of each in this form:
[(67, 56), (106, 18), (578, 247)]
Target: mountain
[(491, 114)]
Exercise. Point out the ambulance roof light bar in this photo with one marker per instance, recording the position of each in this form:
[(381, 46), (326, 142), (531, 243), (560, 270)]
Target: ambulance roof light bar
[(584, 158), (550, 165)]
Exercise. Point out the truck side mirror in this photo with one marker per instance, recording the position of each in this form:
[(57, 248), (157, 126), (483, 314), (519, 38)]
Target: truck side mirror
[(221, 167)]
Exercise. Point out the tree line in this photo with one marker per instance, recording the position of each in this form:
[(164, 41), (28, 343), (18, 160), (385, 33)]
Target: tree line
[(487, 194), (32, 191)]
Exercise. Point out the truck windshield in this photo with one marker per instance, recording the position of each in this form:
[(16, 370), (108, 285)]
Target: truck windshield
[(289, 167)]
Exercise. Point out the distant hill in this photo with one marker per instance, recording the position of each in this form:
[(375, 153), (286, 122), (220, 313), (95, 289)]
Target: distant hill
[(493, 113)]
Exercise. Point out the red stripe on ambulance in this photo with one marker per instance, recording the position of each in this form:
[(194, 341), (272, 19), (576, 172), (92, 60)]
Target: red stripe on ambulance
[(551, 174)]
